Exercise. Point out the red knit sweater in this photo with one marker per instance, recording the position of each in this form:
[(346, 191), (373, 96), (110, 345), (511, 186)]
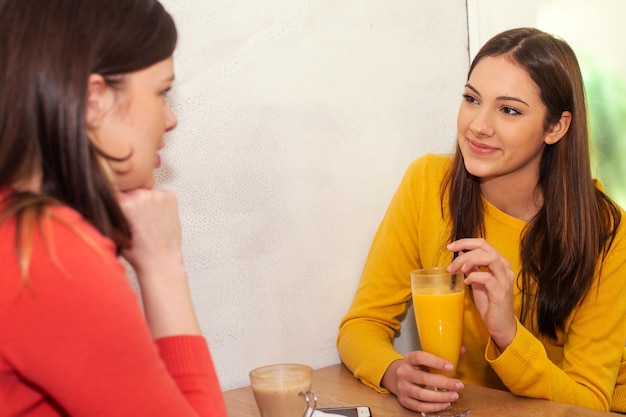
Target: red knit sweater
[(73, 339)]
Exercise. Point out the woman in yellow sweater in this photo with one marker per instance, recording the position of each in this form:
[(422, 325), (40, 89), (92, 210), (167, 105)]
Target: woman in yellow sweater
[(543, 248)]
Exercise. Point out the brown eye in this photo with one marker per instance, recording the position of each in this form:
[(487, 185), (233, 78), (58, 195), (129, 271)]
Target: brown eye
[(165, 92), (470, 99), (510, 111)]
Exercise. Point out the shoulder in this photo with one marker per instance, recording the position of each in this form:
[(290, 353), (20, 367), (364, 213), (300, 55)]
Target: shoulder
[(432, 164), (60, 239), (74, 239), (422, 180), (429, 169), (613, 262), (68, 224), (612, 211)]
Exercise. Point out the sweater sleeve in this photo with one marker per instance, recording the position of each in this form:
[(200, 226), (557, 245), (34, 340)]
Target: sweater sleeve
[(582, 365), (365, 340), (79, 340), (188, 361)]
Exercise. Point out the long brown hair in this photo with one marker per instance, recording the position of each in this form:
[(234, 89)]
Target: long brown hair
[(563, 245), (47, 52)]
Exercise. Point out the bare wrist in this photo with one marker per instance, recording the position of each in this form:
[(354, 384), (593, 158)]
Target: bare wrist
[(389, 380), (503, 342)]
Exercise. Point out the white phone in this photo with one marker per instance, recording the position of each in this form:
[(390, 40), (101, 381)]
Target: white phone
[(360, 411)]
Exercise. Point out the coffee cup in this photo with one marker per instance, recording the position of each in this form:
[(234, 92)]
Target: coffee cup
[(283, 390)]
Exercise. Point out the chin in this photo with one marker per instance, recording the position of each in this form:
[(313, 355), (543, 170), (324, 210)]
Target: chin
[(477, 169), (127, 186)]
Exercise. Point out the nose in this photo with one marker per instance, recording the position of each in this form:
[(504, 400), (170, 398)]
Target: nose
[(170, 119), (481, 124)]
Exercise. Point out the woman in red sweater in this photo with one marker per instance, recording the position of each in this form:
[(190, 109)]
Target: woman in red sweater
[(82, 117)]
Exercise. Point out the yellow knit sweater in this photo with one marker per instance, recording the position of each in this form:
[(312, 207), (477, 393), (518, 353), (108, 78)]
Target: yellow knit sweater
[(580, 367)]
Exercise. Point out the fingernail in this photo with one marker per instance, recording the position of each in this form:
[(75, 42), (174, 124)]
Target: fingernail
[(448, 367), (459, 385), (454, 396)]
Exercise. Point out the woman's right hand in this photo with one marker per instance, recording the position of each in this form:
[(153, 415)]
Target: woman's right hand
[(412, 383), (156, 255), (155, 225)]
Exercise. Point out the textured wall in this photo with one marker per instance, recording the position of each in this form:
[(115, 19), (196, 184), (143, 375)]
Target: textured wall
[(296, 121)]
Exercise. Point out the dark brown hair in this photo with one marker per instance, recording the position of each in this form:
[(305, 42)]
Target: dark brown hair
[(563, 245), (48, 49)]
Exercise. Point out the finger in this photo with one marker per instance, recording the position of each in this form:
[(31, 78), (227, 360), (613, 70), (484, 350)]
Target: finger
[(417, 367), (468, 259), (426, 398), (496, 291), (494, 279), (419, 358), (471, 246), (129, 201), (485, 279), (483, 260), (467, 244), (423, 406)]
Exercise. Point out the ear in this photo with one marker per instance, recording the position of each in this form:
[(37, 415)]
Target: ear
[(99, 102), (559, 129)]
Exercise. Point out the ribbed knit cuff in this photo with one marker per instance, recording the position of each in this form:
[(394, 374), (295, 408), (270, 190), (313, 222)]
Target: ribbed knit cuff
[(185, 354), (516, 366)]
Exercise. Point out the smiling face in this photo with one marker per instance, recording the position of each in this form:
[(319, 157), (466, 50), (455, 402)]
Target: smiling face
[(129, 122), (500, 124)]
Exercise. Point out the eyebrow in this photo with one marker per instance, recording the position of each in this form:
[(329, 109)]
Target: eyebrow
[(504, 98)]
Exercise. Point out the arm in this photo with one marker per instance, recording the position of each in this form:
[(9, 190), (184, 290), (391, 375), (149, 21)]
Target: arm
[(157, 258), (581, 366), (158, 261), (412, 233), (365, 340), (100, 358)]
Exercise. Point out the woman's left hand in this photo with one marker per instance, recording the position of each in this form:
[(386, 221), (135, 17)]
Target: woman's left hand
[(492, 281)]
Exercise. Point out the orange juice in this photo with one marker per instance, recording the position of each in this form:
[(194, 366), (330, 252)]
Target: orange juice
[(439, 317)]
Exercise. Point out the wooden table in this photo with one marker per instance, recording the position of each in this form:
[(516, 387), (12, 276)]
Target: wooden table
[(336, 387)]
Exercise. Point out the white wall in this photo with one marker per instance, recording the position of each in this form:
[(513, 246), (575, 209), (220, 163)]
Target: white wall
[(594, 29), (490, 17), (296, 121)]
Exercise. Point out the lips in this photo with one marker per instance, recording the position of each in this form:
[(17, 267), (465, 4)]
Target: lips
[(480, 148)]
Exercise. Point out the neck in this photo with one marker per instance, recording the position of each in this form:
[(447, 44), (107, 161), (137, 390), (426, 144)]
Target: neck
[(32, 184), (521, 200)]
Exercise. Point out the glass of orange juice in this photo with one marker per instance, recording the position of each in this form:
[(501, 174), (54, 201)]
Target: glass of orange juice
[(438, 302)]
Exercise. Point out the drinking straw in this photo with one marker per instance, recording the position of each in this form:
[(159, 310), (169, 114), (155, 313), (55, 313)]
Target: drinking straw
[(457, 236), (457, 229)]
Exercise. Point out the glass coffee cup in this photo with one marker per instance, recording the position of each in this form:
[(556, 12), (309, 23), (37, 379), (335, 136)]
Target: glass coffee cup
[(283, 390)]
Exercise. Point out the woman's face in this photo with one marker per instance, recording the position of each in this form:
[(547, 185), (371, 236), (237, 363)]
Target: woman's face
[(134, 125), (500, 125)]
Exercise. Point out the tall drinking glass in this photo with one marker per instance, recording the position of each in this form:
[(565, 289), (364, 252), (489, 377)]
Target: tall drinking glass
[(438, 302)]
